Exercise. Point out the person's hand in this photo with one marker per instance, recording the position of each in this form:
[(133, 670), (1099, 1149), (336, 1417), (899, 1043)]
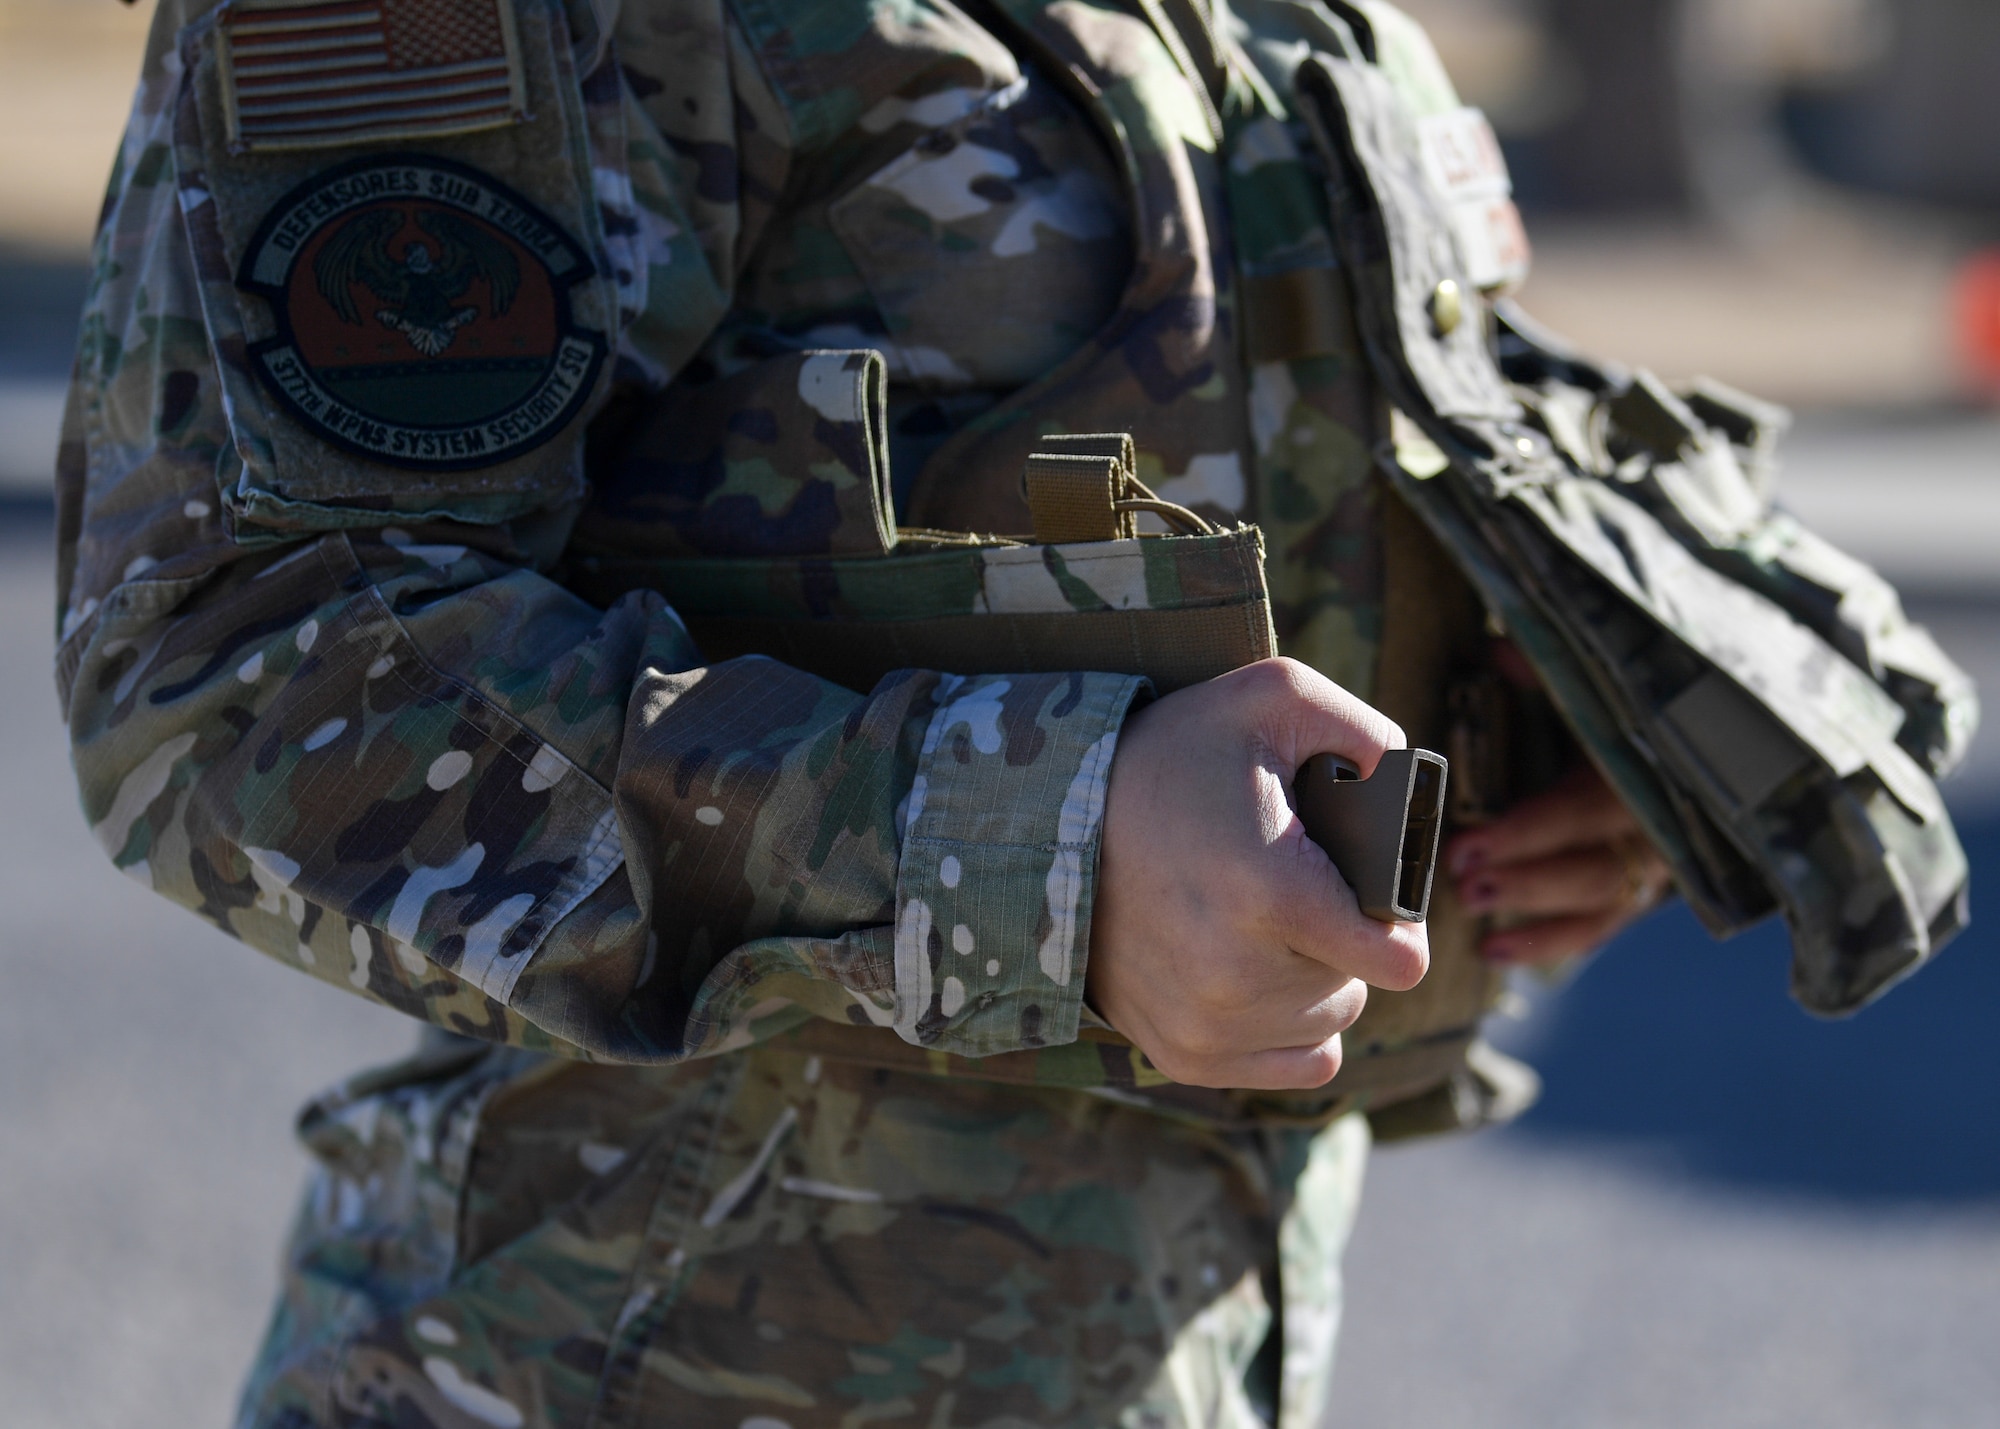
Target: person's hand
[(1224, 942), (1565, 870)]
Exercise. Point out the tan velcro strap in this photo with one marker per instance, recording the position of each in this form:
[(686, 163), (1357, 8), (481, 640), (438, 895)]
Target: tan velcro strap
[(1116, 445), (1086, 487), (1074, 497)]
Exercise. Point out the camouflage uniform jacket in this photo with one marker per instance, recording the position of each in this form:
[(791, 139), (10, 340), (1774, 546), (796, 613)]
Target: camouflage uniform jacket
[(348, 359)]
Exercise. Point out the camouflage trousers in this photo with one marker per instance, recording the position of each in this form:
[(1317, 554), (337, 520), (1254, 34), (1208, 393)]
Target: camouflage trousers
[(770, 1240)]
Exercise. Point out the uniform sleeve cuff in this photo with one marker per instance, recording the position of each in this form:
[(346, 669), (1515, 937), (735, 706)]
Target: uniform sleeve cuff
[(999, 860)]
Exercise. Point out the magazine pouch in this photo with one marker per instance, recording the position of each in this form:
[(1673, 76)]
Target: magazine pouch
[(1085, 592)]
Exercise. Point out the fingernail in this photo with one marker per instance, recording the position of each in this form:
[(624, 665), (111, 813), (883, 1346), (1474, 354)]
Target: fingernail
[(1498, 952), (1481, 896), (1466, 857)]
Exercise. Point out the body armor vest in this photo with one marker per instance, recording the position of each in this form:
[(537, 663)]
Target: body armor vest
[(1303, 342)]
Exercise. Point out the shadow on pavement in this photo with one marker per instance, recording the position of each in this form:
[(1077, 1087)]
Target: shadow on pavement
[(1675, 1047), (26, 518)]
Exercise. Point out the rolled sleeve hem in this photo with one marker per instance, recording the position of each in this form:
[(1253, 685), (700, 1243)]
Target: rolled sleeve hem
[(998, 873)]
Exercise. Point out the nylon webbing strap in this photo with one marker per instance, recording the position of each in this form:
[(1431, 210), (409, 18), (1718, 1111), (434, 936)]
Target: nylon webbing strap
[(1185, 61), (1074, 484), (1087, 488), (1075, 498), (1116, 445)]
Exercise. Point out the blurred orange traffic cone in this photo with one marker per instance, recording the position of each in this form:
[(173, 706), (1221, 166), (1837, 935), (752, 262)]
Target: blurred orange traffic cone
[(1979, 320)]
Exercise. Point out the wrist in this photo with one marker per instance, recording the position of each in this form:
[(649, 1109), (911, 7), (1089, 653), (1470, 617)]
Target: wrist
[(998, 876)]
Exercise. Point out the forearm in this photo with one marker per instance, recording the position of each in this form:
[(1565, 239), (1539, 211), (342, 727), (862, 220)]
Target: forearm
[(412, 762), (451, 786)]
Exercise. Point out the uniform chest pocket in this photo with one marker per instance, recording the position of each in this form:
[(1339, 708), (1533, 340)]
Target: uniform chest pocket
[(995, 246)]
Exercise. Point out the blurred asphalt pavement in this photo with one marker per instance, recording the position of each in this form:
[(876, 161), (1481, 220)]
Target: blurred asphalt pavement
[(148, 1072), (1721, 1214)]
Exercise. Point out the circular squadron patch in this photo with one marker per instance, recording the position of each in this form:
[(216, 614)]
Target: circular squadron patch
[(423, 314)]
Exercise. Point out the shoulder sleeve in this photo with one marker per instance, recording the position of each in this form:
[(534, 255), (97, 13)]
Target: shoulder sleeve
[(337, 705)]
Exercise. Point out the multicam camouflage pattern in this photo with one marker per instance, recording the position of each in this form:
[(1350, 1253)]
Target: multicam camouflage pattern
[(491, 873), (783, 460), (354, 717), (366, 720), (777, 1239), (947, 579), (1176, 611), (513, 850)]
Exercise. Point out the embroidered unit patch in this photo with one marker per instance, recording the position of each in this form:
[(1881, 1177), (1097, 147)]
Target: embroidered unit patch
[(423, 314), (308, 74)]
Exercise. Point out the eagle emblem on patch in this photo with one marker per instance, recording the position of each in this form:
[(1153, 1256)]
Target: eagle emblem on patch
[(423, 314), (308, 74)]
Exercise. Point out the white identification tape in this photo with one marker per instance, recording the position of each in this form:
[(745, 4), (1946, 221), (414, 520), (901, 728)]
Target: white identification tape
[(1462, 158)]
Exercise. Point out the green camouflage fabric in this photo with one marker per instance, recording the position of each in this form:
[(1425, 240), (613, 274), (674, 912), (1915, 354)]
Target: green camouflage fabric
[(785, 459), (359, 719), (774, 1238), (1760, 701), (1186, 574), (554, 826), (1176, 611)]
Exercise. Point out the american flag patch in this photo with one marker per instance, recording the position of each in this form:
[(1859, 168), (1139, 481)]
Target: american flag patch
[(313, 74)]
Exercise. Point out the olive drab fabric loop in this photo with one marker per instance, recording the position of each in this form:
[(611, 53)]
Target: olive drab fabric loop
[(1086, 488)]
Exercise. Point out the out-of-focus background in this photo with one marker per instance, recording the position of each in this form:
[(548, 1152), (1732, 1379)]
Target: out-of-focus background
[(1721, 1214)]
